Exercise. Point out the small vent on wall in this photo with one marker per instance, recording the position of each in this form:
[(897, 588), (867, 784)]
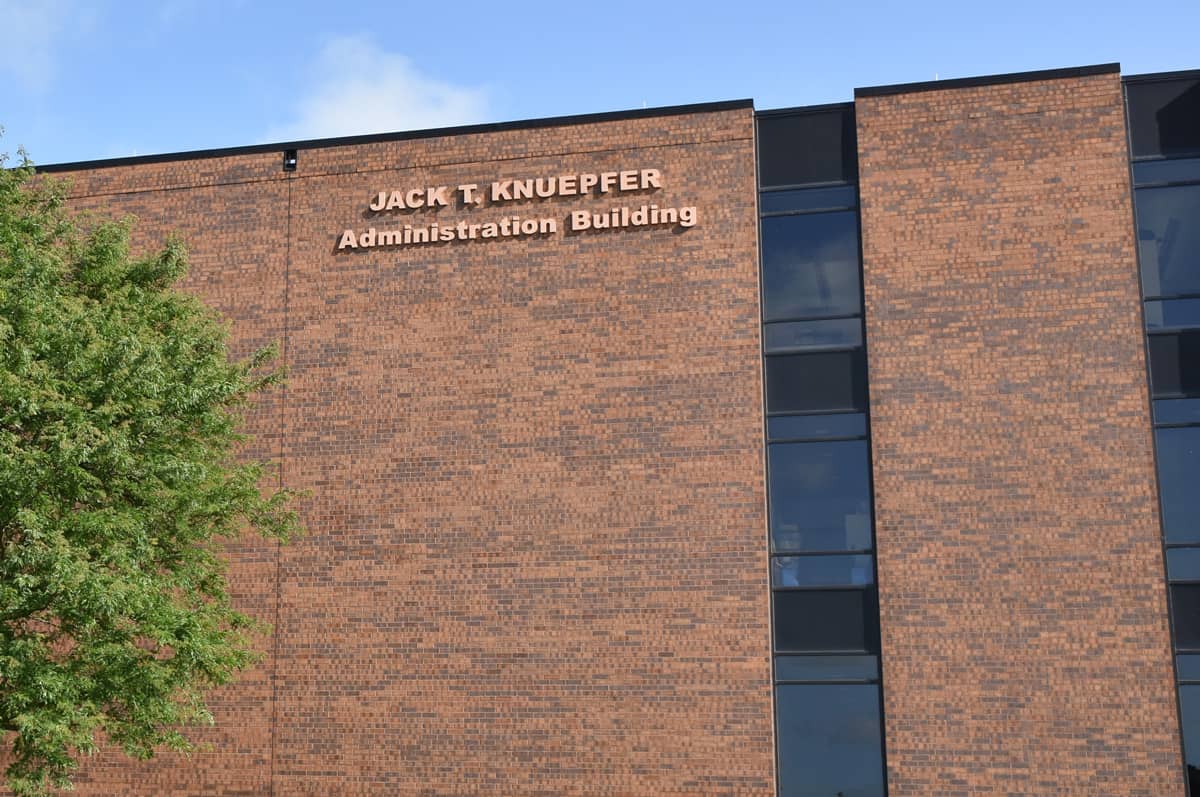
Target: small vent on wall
[(289, 160)]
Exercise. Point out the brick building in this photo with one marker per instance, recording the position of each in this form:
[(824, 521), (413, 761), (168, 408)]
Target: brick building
[(704, 451)]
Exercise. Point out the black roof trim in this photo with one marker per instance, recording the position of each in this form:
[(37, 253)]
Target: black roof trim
[(803, 109), (408, 135), (1154, 77), (988, 80)]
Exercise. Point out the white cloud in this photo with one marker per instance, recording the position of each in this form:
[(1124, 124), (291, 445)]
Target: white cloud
[(359, 88), (28, 38), (175, 12)]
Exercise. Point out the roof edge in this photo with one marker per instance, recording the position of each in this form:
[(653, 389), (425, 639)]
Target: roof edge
[(1154, 77), (988, 80), (799, 110), (407, 135)]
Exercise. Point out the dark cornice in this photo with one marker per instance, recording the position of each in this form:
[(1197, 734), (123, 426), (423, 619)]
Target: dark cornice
[(1155, 77), (803, 109), (988, 80), (409, 135)]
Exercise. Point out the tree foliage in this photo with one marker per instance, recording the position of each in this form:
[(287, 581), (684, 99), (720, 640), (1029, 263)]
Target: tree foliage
[(119, 409)]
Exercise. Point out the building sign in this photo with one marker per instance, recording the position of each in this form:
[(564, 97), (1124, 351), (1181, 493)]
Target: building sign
[(472, 197)]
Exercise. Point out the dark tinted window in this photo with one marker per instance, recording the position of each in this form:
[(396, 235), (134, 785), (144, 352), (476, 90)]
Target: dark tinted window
[(806, 148), (799, 335), (1189, 705), (812, 571), (829, 740), (1183, 564), (820, 497), (808, 199), (1185, 611), (1173, 313), (1175, 364), (1169, 239), (815, 620), (1170, 171), (1187, 666), (1177, 411), (793, 427), (810, 266), (1164, 118), (1178, 477), (821, 382), (826, 668)]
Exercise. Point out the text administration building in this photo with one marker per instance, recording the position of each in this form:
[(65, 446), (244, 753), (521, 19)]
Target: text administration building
[(840, 478)]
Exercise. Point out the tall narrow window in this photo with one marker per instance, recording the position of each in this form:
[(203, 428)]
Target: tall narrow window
[(829, 724), (1164, 125)]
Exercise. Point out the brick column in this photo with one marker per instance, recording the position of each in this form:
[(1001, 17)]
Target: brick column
[(1024, 615), (536, 557)]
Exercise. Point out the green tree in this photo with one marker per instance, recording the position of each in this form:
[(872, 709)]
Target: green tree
[(119, 409)]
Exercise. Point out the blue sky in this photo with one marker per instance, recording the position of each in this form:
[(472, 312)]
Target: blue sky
[(83, 80)]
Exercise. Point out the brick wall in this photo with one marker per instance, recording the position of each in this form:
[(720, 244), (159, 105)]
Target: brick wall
[(1023, 604), (536, 558)]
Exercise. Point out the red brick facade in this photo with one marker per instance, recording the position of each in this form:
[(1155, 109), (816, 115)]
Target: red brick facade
[(537, 552), (1022, 594), (536, 558)]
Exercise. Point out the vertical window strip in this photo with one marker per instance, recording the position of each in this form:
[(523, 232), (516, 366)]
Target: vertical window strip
[(824, 603)]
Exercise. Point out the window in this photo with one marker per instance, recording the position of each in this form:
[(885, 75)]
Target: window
[(827, 620), (824, 600), (1169, 240), (1164, 118), (791, 336), (821, 571), (839, 197), (1178, 466), (812, 427), (810, 266), (820, 382), (1189, 700), (1173, 313), (1168, 171), (1185, 613), (1175, 364), (1183, 564), (820, 496), (1164, 128), (1177, 411), (797, 149), (829, 740), (1188, 667), (827, 668)]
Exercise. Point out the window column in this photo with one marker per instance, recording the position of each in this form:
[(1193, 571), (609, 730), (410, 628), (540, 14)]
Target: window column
[(824, 600), (1164, 119)]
